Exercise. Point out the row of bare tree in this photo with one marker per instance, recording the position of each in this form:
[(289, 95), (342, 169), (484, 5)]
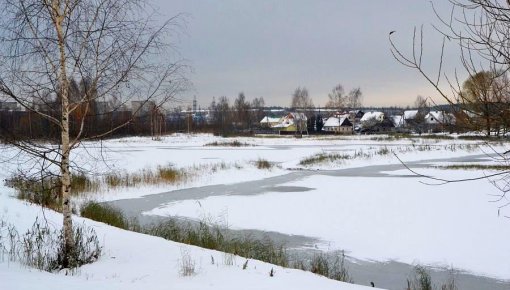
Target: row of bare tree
[(241, 115), (337, 99)]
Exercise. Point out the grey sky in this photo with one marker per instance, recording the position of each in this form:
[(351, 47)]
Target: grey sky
[(269, 48)]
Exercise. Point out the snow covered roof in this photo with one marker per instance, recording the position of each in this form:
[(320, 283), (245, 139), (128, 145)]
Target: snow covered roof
[(290, 120), (410, 114), (372, 115), (284, 124), (297, 116), (335, 122), (397, 120), (267, 119), (435, 117), (342, 115)]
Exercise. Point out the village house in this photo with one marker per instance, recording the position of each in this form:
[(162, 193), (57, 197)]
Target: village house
[(292, 123), (439, 120), (369, 119), (337, 125)]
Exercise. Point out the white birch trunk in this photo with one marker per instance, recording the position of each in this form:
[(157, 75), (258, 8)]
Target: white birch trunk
[(65, 173)]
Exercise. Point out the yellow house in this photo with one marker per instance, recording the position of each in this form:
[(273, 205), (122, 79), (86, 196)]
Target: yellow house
[(292, 122)]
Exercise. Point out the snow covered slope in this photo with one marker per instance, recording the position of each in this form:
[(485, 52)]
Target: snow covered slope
[(136, 261)]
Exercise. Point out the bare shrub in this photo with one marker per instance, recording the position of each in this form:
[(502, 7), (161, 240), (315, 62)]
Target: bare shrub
[(187, 264), (423, 281), (331, 265), (263, 164), (43, 248)]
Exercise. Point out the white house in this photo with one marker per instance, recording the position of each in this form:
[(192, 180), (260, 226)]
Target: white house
[(338, 125), (410, 116), (370, 119), (398, 121), (439, 118)]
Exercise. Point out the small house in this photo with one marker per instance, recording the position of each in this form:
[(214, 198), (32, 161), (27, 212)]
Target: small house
[(292, 122), (337, 125)]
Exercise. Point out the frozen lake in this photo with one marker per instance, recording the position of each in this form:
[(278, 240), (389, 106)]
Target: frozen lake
[(387, 232)]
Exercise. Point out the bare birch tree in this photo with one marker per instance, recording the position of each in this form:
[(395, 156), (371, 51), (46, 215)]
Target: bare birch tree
[(354, 98), (301, 99), (117, 46), (337, 98)]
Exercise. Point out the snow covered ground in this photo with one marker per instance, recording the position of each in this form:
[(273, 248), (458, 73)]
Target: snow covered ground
[(136, 261), (373, 218)]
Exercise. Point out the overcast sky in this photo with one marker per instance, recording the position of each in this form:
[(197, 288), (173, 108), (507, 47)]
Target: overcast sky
[(268, 48)]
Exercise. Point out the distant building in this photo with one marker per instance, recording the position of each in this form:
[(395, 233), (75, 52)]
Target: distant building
[(439, 121), (398, 121), (385, 126), (355, 115), (340, 125), (410, 116), (292, 122), (370, 119), (372, 116), (439, 117)]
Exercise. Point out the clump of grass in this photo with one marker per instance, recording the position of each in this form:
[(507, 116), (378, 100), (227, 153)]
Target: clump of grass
[(104, 213), (161, 175), (114, 180), (42, 247), (477, 137), (82, 183), (234, 143), (383, 151), (393, 137), (339, 270), (263, 164), (45, 191), (319, 265), (423, 281), (322, 158), (435, 137), (168, 174), (497, 167), (329, 265), (213, 237)]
